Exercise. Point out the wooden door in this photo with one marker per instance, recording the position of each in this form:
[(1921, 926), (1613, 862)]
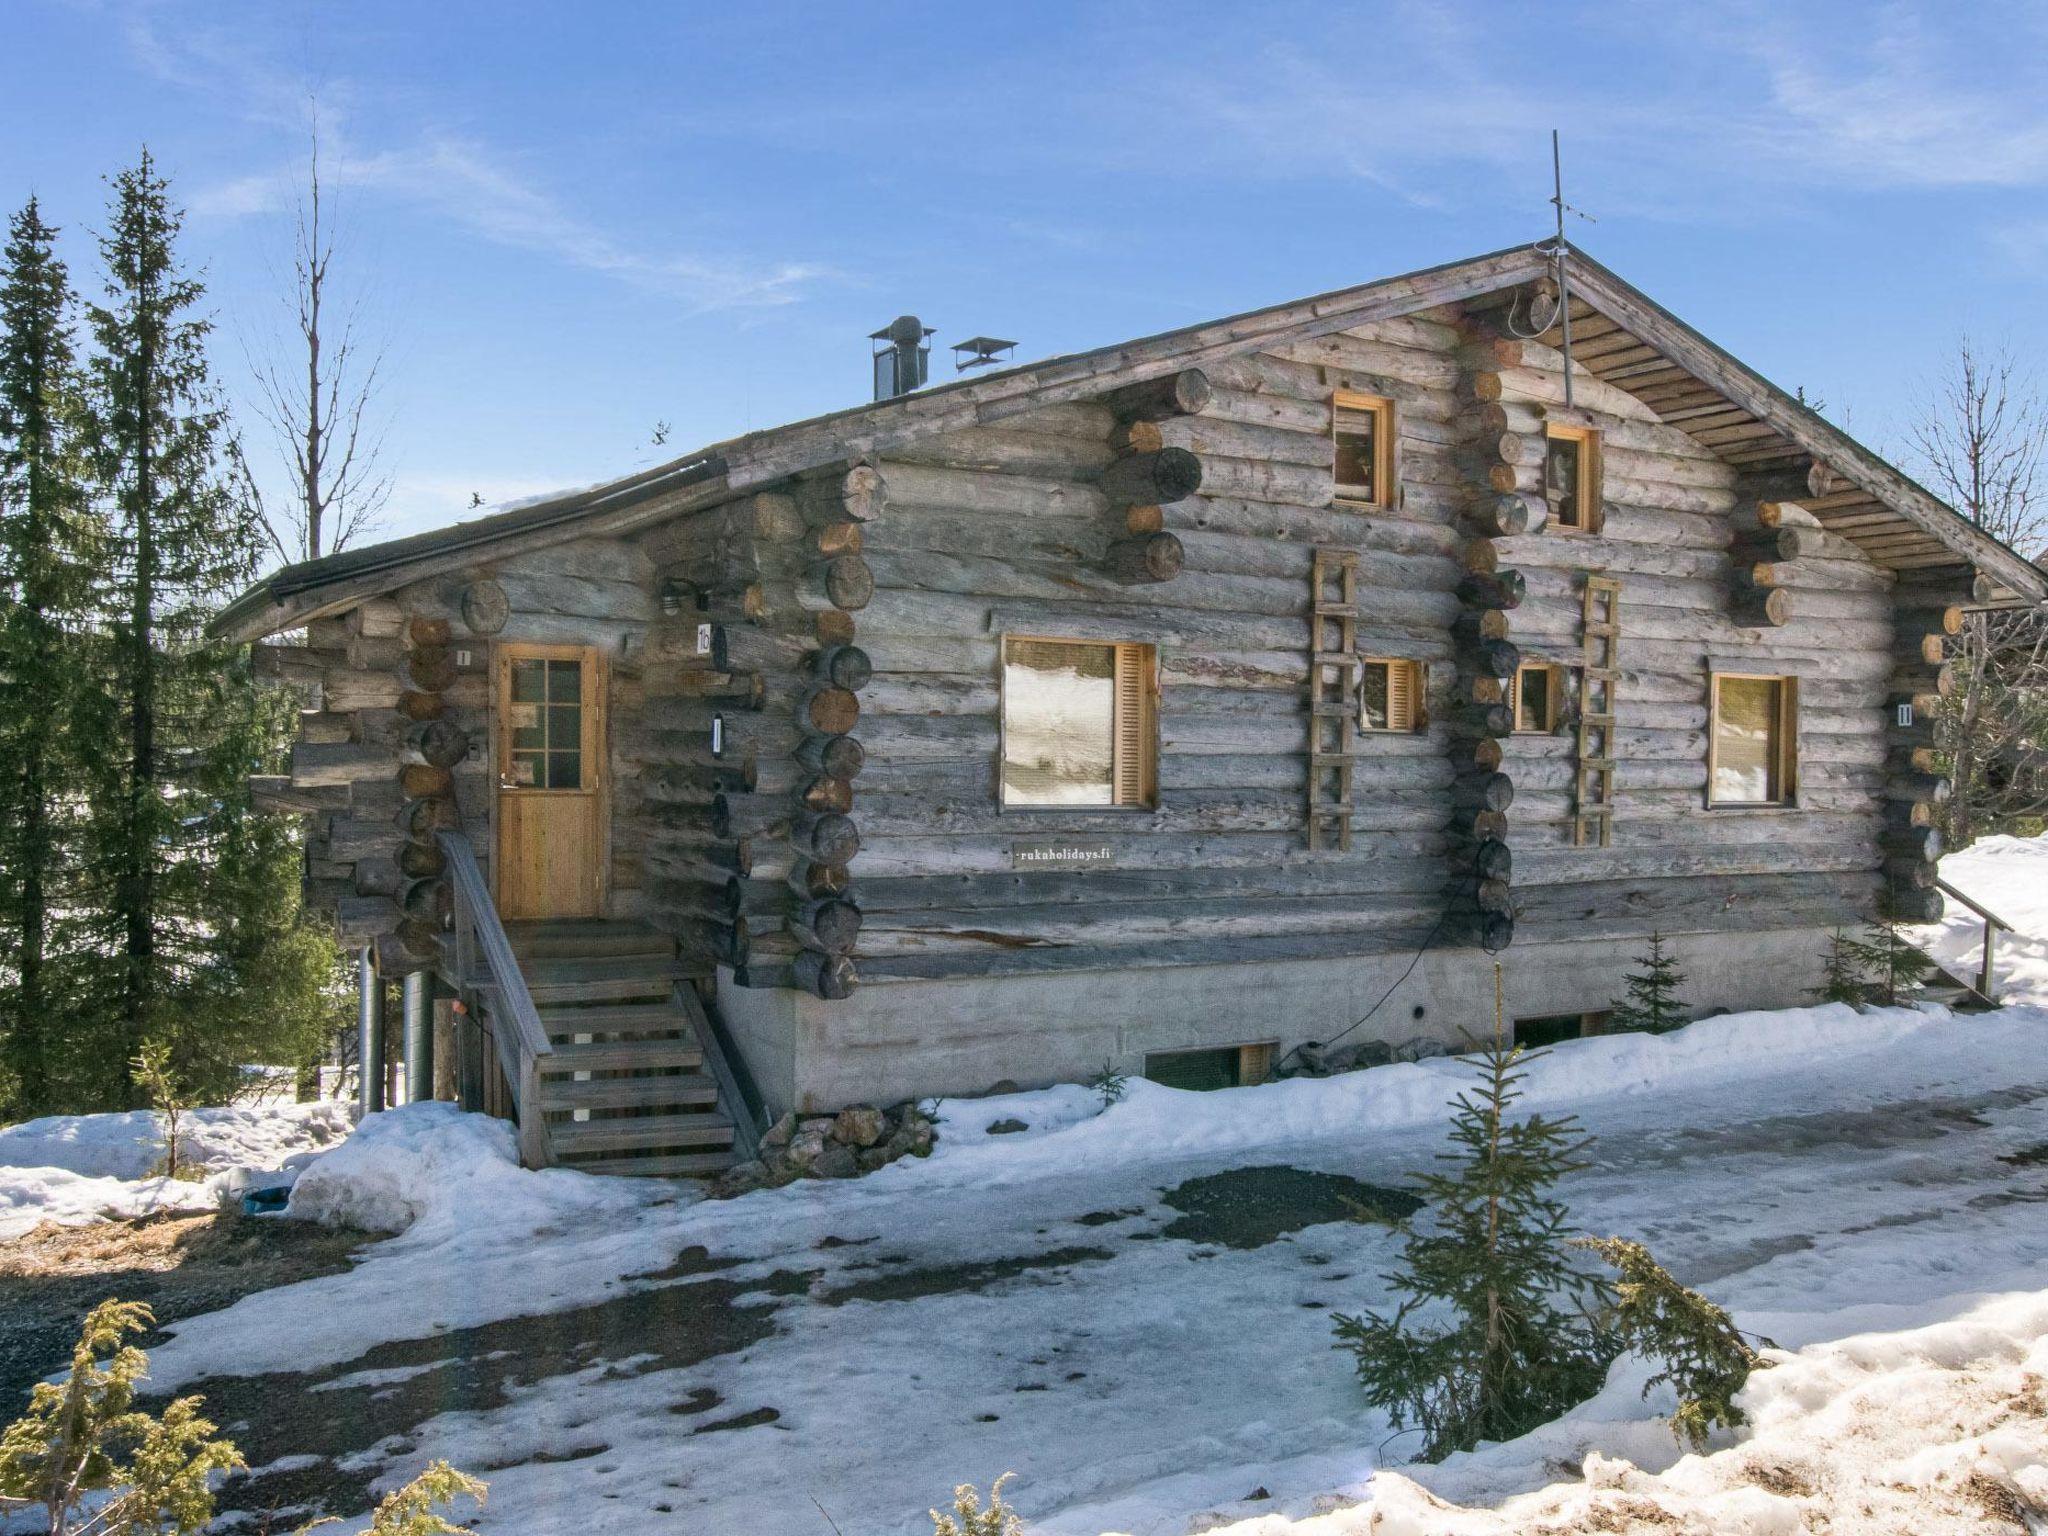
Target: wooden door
[(552, 816)]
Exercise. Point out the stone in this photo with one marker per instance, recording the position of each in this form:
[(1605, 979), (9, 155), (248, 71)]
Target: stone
[(859, 1125), (778, 1134), (1008, 1127), (806, 1147), (742, 1177), (1000, 1086), (835, 1162), (871, 1158)]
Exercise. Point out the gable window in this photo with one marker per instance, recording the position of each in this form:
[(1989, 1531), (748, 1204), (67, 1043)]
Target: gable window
[(1571, 477), (1080, 723), (1753, 740), (1363, 426), (1389, 695), (1539, 693)]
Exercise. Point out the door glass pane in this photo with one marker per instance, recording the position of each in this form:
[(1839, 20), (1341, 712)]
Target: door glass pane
[(565, 770), (1059, 723), (528, 681), (1746, 755), (565, 682), (526, 767)]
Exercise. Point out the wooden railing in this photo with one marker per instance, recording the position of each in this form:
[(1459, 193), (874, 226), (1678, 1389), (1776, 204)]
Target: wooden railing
[(1994, 925), (486, 969)]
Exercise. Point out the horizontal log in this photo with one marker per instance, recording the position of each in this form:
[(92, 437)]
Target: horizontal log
[(1152, 478), (1757, 608), (317, 764), (1184, 393)]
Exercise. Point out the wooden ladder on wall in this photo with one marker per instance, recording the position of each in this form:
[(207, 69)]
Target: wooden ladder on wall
[(1599, 679), (1333, 695)]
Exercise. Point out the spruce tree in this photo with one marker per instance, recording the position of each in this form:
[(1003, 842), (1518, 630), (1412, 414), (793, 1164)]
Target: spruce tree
[(1840, 976), (1653, 1003), (1497, 1259), (201, 908), (47, 541), (1891, 969)]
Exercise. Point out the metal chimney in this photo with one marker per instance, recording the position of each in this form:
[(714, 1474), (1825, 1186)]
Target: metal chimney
[(902, 356)]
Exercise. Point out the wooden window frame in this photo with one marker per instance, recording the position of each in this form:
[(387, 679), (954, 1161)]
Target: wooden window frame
[(1139, 655), (1417, 716), (1385, 487), (1553, 698), (1785, 747), (1589, 503)]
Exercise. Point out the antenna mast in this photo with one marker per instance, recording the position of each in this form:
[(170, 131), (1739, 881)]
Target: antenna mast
[(1564, 294)]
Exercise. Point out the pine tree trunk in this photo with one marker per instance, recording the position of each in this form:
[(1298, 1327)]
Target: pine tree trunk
[(138, 894)]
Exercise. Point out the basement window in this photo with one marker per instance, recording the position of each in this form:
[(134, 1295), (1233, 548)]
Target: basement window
[(1549, 1028), (1230, 1066), (1753, 740), (1080, 724), (1389, 695), (1539, 697), (1571, 478), (1363, 426)]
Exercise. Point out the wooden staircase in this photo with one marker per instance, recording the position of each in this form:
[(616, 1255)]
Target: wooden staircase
[(624, 1090)]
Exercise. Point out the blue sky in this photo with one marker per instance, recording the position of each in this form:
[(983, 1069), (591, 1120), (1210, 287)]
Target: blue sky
[(570, 222)]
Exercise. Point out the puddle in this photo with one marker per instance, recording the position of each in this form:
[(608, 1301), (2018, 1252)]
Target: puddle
[(697, 1315), (1250, 1207), (943, 1279)]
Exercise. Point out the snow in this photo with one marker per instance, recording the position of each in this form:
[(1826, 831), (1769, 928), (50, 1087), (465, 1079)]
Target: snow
[(1824, 1173), (2010, 876), (75, 1169)]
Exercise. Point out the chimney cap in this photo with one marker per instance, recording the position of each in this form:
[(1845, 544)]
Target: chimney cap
[(904, 331), (979, 352)]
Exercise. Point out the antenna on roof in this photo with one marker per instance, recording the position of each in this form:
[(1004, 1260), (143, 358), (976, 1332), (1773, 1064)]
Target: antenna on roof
[(1559, 248)]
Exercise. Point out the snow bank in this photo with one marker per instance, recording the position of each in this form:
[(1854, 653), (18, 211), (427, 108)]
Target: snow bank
[(1068, 1128), (2010, 876), (75, 1169), (431, 1166), (1937, 1430)]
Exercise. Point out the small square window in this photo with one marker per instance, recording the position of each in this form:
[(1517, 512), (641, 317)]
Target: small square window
[(1571, 478), (1753, 740), (1389, 695), (1080, 723), (1363, 426), (1539, 696)]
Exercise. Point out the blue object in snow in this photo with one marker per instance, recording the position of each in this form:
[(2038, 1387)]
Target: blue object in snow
[(266, 1202)]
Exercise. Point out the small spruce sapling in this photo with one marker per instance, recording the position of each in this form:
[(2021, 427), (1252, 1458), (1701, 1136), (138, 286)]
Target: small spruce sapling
[(1110, 1085), (1841, 978), (1703, 1355), (84, 1437), (1892, 970), (970, 1519), (152, 1068), (1653, 1003), (415, 1509), (1498, 1261)]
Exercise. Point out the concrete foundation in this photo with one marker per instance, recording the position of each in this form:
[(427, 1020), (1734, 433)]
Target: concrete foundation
[(916, 1039)]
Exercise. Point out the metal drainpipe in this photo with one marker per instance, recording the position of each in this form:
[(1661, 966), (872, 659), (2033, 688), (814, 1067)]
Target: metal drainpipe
[(369, 1032), (419, 1036)]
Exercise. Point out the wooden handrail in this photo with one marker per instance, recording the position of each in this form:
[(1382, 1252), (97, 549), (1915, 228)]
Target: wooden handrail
[(486, 962), (1975, 906)]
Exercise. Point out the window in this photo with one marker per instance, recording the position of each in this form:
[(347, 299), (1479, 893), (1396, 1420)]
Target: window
[(1571, 478), (1539, 693), (1363, 426), (545, 713), (1551, 1028), (1079, 723), (1231, 1066), (1389, 695), (1752, 745)]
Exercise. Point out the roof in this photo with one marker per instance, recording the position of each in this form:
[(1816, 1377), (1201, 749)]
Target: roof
[(296, 593)]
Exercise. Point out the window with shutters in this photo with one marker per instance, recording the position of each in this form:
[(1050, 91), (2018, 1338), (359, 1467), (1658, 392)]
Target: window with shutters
[(1080, 723), (1363, 426), (1571, 478), (1389, 695), (1539, 695), (1753, 740)]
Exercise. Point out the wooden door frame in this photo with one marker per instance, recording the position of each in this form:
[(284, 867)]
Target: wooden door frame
[(503, 653)]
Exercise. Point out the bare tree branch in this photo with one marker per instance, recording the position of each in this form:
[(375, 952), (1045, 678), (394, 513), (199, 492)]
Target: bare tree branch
[(320, 405), (1981, 439)]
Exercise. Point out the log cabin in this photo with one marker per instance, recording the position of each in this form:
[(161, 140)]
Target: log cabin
[(1168, 707)]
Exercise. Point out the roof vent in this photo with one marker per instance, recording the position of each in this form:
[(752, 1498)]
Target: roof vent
[(902, 356), (980, 352)]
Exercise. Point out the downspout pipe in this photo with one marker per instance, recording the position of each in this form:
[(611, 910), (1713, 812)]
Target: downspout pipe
[(369, 1032), (419, 1036)]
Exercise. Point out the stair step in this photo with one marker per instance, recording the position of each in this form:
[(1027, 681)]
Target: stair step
[(615, 1019), (585, 938), (576, 981), (620, 1055), (657, 1166), (636, 1131), (677, 1088)]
